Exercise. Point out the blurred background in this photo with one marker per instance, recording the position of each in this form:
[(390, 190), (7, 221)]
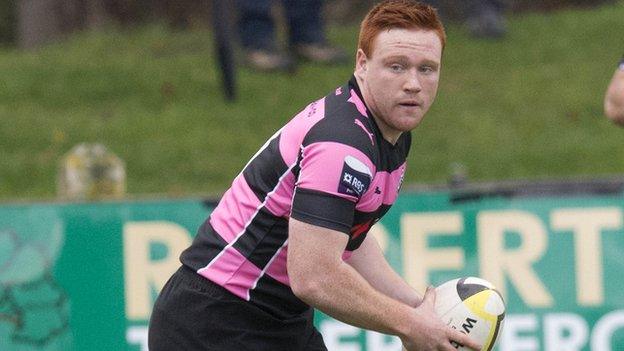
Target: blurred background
[(123, 121), (141, 78)]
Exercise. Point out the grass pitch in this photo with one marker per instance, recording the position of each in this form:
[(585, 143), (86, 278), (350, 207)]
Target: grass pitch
[(528, 106)]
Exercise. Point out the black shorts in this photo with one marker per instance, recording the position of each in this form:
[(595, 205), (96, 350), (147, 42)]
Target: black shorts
[(192, 313)]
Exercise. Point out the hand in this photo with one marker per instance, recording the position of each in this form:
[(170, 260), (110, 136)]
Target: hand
[(430, 334)]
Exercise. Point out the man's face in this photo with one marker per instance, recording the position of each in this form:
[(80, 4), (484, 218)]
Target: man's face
[(399, 80)]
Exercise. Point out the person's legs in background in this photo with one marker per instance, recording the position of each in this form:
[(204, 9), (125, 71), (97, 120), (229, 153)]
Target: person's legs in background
[(306, 32), (485, 19), (257, 33)]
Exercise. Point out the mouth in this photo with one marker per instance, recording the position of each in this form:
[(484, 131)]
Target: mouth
[(409, 104)]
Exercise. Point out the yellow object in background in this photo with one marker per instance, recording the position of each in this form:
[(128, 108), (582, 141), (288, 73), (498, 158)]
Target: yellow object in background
[(91, 172)]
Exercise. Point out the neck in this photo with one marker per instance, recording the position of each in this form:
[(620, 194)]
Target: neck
[(389, 134)]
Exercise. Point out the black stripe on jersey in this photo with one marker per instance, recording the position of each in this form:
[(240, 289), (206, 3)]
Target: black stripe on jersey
[(262, 238), (270, 244), (354, 244), (339, 126), (367, 220), (276, 298), (382, 210), (331, 212), (207, 244), (264, 172), (362, 222), (297, 167), (393, 156)]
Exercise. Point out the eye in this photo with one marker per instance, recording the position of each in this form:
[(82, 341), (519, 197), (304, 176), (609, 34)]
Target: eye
[(427, 69), (397, 68)]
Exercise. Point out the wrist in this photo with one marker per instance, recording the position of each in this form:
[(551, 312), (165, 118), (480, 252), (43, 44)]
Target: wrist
[(405, 328)]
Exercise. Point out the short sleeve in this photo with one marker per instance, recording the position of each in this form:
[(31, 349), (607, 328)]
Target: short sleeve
[(332, 178)]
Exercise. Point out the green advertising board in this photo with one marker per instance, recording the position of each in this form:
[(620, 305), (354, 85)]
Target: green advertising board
[(84, 276), (559, 262)]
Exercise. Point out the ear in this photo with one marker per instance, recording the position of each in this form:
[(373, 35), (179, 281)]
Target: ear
[(361, 62)]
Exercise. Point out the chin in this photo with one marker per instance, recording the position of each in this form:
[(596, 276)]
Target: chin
[(404, 127), (408, 123)]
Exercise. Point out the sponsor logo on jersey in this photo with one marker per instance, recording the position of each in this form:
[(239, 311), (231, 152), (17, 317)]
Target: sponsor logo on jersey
[(355, 177)]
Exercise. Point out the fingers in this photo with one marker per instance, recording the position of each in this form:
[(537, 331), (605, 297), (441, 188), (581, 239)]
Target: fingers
[(464, 340), (430, 296), (448, 347)]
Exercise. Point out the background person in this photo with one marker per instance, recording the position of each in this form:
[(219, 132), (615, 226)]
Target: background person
[(614, 97), (290, 234), (483, 18), (486, 19), (306, 35)]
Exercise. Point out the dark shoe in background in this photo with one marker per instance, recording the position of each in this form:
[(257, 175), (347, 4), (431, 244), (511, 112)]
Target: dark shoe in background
[(269, 60), (487, 24), (321, 53)]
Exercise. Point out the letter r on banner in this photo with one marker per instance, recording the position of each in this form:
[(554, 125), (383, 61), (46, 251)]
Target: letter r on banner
[(140, 272)]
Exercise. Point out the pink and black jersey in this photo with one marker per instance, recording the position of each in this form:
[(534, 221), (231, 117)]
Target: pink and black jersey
[(329, 166)]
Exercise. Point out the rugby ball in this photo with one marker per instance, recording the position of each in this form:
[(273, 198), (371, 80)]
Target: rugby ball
[(472, 306)]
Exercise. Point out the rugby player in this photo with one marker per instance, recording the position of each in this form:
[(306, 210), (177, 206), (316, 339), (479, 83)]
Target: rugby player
[(290, 234), (614, 97)]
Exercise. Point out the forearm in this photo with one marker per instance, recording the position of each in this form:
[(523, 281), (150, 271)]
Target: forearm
[(320, 277), (388, 282), (348, 297), (369, 262)]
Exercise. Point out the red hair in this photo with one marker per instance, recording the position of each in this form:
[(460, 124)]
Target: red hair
[(402, 14)]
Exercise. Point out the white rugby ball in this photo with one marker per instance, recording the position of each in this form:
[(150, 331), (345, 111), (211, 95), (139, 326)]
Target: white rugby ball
[(472, 306)]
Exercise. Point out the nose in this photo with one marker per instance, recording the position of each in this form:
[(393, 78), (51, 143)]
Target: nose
[(412, 84)]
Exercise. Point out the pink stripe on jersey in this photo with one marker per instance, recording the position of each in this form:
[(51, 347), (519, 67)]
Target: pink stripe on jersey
[(233, 272), (237, 206), (230, 268), (280, 201), (388, 185), (359, 104), (295, 131), (372, 200), (322, 165), (277, 268), (393, 183)]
